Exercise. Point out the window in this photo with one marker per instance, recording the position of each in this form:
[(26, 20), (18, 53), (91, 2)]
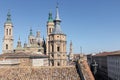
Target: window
[(58, 64), (9, 31), (52, 63), (6, 46), (58, 49), (6, 31), (52, 48), (50, 30), (52, 55), (38, 44)]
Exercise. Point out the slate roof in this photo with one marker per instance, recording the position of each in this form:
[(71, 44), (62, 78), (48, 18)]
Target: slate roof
[(57, 30)]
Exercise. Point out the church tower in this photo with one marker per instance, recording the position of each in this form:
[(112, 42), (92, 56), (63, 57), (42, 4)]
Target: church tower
[(71, 56), (8, 35), (50, 27), (57, 44), (19, 43), (31, 39)]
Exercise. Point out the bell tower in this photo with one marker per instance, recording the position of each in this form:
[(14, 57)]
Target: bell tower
[(57, 44), (8, 35), (50, 27), (71, 56)]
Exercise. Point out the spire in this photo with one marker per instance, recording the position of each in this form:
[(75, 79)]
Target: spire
[(50, 19), (19, 43), (57, 13), (57, 29), (81, 53), (31, 31), (19, 39), (38, 34), (71, 52), (25, 44), (8, 17), (71, 47)]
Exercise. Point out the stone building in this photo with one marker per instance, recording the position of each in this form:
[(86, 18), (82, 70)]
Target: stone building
[(108, 63), (34, 45), (50, 27), (113, 62), (57, 44), (101, 60), (8, 35), (54, 46), (71, 55), (23, 59)]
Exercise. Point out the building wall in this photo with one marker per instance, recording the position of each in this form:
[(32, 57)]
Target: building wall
[(89, 59), (102, 66), (8, 38), (114, 67), (40, 62), (58, 57), (50, 27), (24, 62)]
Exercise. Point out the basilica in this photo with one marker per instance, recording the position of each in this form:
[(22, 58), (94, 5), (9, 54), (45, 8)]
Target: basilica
[(51, 50)]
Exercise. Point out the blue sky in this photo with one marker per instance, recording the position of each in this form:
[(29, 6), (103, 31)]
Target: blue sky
[(92, 24)]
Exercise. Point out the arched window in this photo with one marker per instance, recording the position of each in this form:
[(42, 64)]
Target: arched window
[(58, 49), (58, 64), (52, 62), (6, 31), (9, 31), (6, 46)]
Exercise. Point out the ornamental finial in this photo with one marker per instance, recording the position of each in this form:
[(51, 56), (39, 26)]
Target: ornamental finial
[(8, 17)]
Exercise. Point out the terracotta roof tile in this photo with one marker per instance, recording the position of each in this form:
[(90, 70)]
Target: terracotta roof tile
[(107, 53), (23, 55)]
